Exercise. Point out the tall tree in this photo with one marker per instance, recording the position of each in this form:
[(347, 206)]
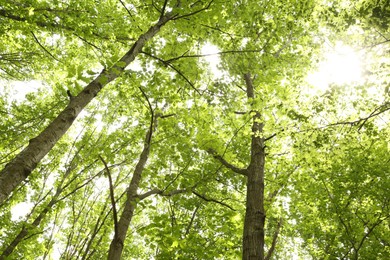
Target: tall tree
[(25, 162)]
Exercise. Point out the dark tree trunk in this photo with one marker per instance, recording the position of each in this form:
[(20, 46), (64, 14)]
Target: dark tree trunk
[(253, 240), (17, 170)]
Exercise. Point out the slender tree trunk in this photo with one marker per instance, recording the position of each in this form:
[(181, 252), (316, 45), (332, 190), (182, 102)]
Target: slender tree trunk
[(26, 161), (117, 243), (253, 240), (27, 229)]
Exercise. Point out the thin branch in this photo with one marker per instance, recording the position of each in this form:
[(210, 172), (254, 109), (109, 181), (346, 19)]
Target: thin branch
[(174, 68), (131, 16), (115, 213), (227, 164), (270, 137), (87, 42), (163, 8), (212, 200), (211, 54), (43, 47), (375, 113), (192, 220), (195, 12), (161, 193), (377, 223), (274, 240), (149, 136)]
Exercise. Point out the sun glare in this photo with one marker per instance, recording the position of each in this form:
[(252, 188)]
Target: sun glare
[(341, 65), (210, 51)]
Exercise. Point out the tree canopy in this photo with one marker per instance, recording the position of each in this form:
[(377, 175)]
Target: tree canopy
[(188, 130)]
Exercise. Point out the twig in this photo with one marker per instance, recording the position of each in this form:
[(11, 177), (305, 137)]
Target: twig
[(43, 47), (192, 220), (128, 11)]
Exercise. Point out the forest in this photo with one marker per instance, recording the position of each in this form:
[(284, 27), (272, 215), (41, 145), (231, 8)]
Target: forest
[(194, 129)]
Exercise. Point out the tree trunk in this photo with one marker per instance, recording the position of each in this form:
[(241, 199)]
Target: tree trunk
[(117, 243), (253, 240), (18, 169), (27, 229)]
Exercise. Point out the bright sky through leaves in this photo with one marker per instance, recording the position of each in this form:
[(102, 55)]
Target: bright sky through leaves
[(341, 65)]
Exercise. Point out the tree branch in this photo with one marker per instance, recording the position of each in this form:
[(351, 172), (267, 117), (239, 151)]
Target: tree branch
[(195, 12), (161, 193), (166, 63), (274, 240), (212, 200), (149, 134), (43, 47), (112, 196), (227, 164), (377, 111), (192, 220)]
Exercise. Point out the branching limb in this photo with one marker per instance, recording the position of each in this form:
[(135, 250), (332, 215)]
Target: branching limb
[(377, 111), (163, 8), (112, 196), (227, 164), (212, 200)]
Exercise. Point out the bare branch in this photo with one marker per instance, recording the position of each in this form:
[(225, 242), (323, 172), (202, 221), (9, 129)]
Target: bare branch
[(212, 200), (195, 12), (166, 63), (43, 47), (192, 220), (377, 111), (161, 193), (270, 137), (128, 11), (87, 42), (227, 164)]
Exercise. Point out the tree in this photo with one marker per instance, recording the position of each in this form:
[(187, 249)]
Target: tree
[(250, 155)]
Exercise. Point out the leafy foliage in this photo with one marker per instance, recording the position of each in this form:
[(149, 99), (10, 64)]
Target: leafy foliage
[(327, 152)]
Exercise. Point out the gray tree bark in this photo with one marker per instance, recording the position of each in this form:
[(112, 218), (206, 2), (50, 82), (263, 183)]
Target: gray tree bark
[(18, 169)]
